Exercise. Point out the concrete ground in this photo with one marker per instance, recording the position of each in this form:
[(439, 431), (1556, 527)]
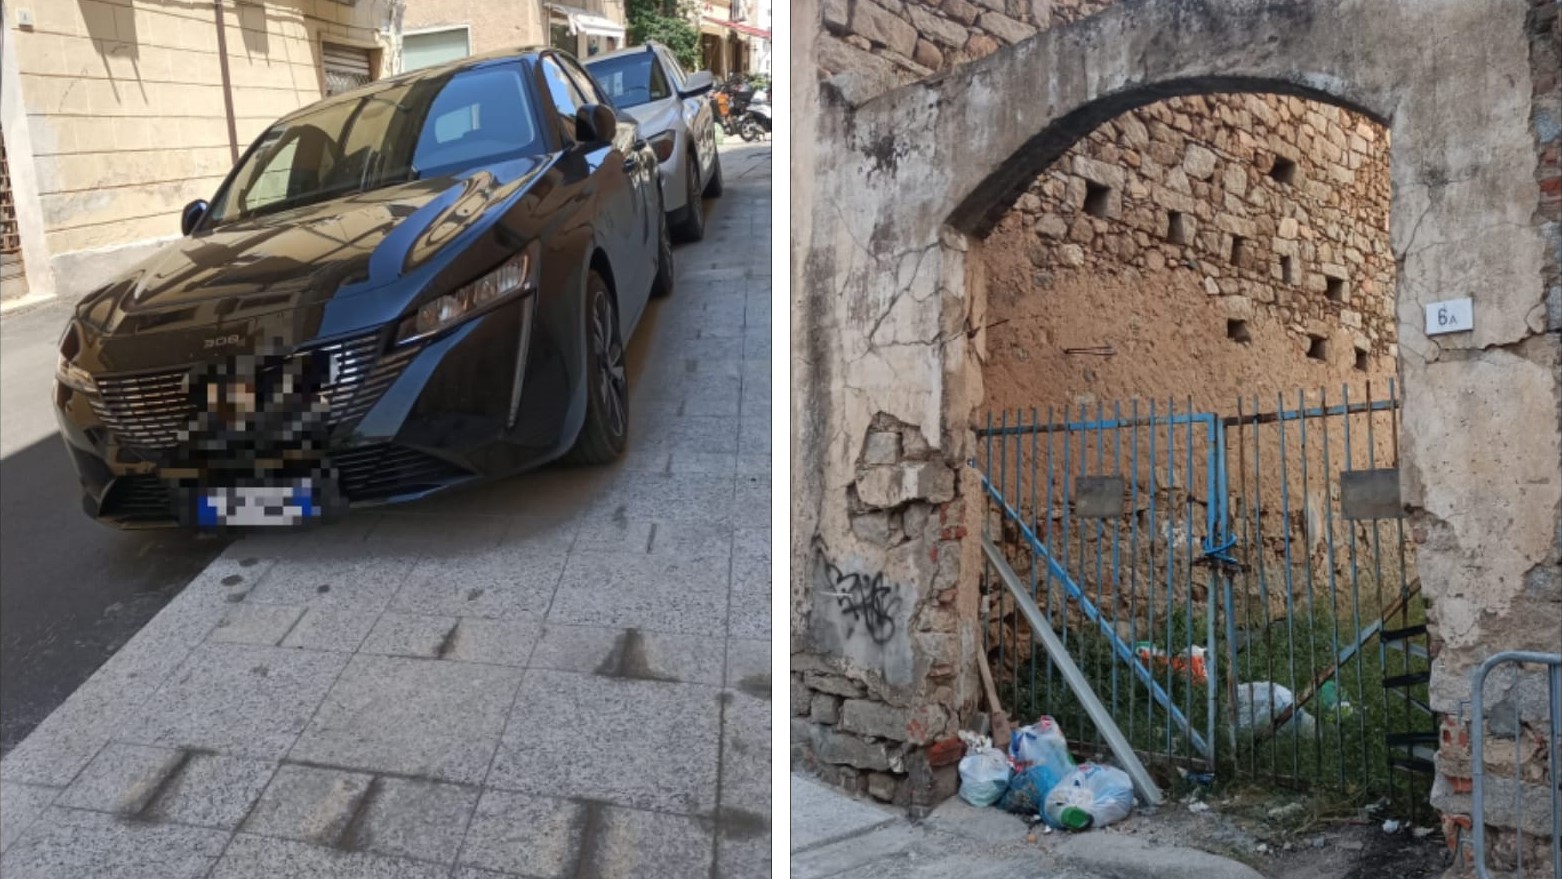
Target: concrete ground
[(72, 591), (835, 836), (561, 674)]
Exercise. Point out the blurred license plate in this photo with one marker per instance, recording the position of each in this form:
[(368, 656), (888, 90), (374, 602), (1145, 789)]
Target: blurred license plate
[(292, 504)]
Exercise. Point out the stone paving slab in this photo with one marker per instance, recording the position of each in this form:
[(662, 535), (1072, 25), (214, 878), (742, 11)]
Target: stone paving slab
[(563, 674)]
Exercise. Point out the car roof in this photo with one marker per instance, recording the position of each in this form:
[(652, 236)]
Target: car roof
[(647, 46), (471, 62)]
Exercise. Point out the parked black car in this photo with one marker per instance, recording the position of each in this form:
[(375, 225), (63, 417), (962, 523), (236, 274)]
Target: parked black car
[(422, 282)]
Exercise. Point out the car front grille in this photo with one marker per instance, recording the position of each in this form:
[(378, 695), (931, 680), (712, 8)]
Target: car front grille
[(384, 470), (138, 498), (152, 411)]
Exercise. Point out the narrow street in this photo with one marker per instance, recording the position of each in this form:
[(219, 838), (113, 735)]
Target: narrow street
[(72, 591), (561, 674)]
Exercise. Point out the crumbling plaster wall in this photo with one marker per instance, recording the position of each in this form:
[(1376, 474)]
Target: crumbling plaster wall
[(890, 310)]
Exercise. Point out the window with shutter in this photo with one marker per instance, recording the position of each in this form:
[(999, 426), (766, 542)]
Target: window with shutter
[(346, 68)]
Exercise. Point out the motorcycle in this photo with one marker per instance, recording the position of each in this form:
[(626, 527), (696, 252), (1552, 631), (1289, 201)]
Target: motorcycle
[(755, 121)]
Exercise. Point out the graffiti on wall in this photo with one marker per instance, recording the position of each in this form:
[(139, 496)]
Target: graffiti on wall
[(866, 602)]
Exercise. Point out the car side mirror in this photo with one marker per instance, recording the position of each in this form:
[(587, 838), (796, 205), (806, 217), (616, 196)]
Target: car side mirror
[(595, 123), (698, 83), (193, 214)]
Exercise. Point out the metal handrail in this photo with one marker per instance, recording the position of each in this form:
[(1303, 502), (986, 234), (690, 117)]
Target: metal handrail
[(1553, 760)]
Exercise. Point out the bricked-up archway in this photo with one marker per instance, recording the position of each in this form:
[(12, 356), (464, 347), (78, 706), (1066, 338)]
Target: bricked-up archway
[(886, 366)]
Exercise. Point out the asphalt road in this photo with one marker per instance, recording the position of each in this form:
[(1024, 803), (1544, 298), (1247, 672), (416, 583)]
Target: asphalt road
[(71, 591)]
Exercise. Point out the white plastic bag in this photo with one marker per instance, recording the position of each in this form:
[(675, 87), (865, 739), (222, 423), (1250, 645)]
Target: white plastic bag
[(1091, 796), (1041, 743), (984, 775), (1259, 703)]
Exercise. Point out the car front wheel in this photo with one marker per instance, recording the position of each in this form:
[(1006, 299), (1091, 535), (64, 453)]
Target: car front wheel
[(606, 431), (692, 226)]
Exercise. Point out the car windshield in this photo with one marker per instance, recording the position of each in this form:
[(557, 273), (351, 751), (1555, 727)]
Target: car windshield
[(631, 80), (390, 135)]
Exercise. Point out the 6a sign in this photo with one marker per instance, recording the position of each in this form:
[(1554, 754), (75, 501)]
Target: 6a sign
[(1450, 316)]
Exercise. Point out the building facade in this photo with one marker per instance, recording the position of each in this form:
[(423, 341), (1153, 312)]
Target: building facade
[(435, 31), (114, 115), (734, 37)]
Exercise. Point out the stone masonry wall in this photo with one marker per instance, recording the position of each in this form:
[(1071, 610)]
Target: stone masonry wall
[(891, 296), (1208, 242)]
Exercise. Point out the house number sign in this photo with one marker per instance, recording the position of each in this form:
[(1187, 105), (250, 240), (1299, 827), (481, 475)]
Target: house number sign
[(1449, 316)]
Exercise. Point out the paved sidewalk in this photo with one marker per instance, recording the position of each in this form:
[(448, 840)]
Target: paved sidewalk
[(835, 836), (565, 674)]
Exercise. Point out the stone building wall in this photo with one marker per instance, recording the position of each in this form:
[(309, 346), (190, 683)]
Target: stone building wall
[(1208, 243), (891, 298)]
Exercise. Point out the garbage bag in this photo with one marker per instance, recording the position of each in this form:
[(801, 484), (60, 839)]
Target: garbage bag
[(1258, 703), (1092, 795), (1028, 788), (1038, 743), (984, 775)]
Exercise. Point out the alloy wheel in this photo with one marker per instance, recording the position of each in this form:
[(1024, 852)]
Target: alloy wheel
[(612, 386)]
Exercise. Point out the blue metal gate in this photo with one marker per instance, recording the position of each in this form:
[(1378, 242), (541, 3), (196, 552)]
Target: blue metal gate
[(1237, 587)]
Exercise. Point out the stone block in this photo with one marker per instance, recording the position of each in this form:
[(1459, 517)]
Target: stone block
[(936, 28), (1006, 28), (825, 708), (843, 748), (928, 55), (888, 487), (874, 719), (881, 26), (1198, 162), (832, 682), (836, 15), (509, 829), (1098, 172), (961, 11), (881, 447), (873, 527)]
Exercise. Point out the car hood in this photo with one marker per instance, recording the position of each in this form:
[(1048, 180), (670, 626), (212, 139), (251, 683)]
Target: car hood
[(304, 256), (657, 116)]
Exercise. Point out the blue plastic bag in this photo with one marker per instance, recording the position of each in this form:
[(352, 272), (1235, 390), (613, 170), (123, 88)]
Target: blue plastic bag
[(1028, 788)]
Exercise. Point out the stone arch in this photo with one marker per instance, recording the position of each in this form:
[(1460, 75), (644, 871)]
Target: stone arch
[(894, 313)]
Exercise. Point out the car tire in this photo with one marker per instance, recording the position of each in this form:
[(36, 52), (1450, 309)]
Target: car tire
[(691, 225), (714, 187), (662, 285), (606, 431)]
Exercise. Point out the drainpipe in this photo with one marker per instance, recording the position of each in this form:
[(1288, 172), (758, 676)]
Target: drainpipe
[(227, 83)]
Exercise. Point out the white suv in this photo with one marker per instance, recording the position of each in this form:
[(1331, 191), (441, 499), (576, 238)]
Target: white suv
[(674, 113)]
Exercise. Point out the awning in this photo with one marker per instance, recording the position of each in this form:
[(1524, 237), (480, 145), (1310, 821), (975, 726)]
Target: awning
[(745, 29), (590, 24)]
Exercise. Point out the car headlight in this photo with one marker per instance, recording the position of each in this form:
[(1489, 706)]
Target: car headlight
[(66, 371), (516, 277), (662, 144)]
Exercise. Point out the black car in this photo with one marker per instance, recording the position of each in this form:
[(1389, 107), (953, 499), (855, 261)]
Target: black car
[(419, 283)]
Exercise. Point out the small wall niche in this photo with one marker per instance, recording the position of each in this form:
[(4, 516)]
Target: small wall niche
[(1098, 199), (1334, 288), (1288, 269), (1318, 348), (1177, 227), (1283, 171), (1238, 250), (1363, 360), (1237, 331)]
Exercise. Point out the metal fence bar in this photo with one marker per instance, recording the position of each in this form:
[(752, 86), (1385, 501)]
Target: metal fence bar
[(1094, 616), (1143, 783), (1553, 663)]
